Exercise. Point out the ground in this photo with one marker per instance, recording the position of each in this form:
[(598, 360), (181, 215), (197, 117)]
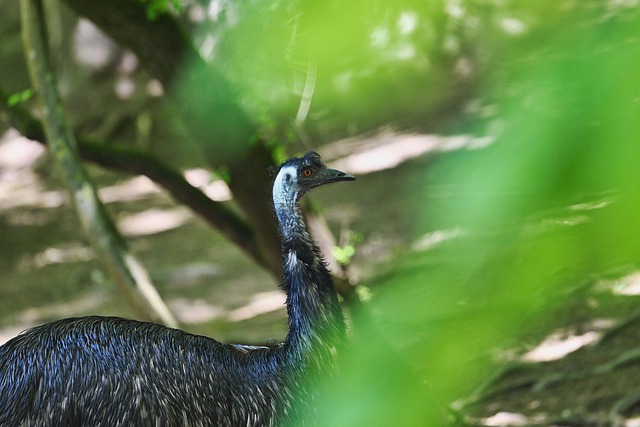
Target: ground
[(584, 373), (579, 367)]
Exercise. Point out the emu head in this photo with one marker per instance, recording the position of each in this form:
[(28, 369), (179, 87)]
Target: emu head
[(299, 175)]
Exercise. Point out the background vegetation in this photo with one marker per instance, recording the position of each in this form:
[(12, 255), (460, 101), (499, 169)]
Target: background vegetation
[(519, 224)]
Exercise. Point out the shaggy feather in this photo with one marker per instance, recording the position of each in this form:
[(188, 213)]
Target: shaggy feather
[(106, 371)]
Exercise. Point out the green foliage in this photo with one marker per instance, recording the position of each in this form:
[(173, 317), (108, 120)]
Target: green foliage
[(347, 249), (334, 58), (551, 204), (157, 8), (20, 97), (343, 254)]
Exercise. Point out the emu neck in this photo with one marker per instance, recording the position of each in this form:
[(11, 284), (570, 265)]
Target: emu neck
[(315, 317)]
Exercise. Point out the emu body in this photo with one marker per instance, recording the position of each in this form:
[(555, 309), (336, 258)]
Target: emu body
[(100, 371)]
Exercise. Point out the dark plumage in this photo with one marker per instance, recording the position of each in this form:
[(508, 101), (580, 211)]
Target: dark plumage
[(101, 371)]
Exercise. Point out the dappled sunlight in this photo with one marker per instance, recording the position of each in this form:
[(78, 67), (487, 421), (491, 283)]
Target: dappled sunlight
[(18, 153), (12, 197), (435, 238), (200, 311), (563, 342), (19, 184), (602, 202), (515, 419), (153, 221), (189, 311), (513, 26), (512, 419), (628, 285), (62, 255), (466, 246), (557, 346), (91, 47), (262, 303), (389, 149), (215, 189), (140, 187), (136, 188), (631, 422), (36, 315), (9, 332)]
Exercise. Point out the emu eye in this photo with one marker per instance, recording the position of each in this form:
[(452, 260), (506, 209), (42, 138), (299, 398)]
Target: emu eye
[(307, 173)]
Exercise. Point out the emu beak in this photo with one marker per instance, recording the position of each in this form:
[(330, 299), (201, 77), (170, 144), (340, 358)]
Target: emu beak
[(324, 176), (327, 176)]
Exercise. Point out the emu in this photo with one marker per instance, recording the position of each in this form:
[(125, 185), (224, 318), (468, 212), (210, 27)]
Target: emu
[(107, 371)]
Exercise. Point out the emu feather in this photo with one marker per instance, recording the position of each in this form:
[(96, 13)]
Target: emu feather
[(105, 371)]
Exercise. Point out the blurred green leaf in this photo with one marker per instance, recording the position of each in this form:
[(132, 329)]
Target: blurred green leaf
[(20, 97), (551, 203), (157, 8), (343, 254)]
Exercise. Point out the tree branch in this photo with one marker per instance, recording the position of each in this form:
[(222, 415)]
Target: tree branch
[(206, 102), (136, 162), (109, 245)]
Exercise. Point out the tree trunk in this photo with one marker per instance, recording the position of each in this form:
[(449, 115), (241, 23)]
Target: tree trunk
[(206, 103)]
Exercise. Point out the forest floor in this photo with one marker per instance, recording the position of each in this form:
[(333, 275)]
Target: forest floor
[(585, 372), (580, 368)]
